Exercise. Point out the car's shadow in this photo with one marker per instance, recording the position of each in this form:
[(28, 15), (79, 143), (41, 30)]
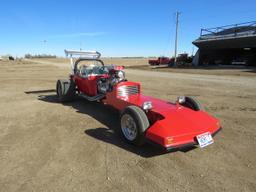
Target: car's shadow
[(111, 132)]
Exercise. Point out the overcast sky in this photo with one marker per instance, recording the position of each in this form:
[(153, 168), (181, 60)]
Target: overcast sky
[(113, 27)]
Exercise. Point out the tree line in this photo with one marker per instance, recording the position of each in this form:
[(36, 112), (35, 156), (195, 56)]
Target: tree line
[(29, 56)]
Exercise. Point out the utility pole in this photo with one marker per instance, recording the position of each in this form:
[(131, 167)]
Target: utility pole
[(176, 38), (44, 47), (80, 45)]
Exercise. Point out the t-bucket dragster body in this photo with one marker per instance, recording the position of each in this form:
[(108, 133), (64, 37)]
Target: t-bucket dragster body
[(142, 118)]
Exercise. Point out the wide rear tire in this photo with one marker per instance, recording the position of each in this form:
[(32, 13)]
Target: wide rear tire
[(134, 123), (66, 90)]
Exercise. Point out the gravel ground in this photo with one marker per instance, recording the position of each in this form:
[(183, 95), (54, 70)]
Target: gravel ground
[(48, 146)]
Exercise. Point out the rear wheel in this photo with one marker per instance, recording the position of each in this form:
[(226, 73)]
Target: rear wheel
[(66, 90), (134, 123)]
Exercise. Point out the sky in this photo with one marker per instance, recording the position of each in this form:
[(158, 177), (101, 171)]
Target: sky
[(113, 27)]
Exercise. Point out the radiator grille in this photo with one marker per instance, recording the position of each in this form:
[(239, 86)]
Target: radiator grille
[(125, 91)]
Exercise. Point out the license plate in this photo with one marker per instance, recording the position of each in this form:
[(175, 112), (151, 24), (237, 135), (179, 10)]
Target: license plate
[(204, 139)]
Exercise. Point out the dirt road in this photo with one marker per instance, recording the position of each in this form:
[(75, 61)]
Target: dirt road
[(48, 146)]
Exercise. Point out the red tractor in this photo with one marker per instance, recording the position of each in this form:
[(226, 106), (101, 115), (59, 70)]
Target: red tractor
[(142, 118), (160, 61)]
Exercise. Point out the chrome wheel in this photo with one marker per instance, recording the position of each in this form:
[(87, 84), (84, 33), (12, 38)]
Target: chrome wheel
[(129, 127)]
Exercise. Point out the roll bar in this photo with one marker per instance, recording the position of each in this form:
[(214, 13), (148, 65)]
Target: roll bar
[(85, 55), (86, 59)]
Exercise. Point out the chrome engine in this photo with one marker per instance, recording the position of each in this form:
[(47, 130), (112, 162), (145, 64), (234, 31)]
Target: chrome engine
[(105, 84)]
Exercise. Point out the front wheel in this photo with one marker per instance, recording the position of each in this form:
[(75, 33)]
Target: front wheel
[(193, 104), (134, 123)]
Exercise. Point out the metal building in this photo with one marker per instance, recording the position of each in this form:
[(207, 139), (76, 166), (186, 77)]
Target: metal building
[(228, 45)]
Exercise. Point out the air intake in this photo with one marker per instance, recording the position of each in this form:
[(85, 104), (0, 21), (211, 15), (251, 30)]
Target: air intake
[(124, 91)]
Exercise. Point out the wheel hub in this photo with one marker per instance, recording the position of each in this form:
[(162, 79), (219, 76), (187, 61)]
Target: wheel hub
[(128, 127)]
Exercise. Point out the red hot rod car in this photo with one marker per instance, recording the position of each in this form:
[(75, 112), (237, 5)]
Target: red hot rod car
[(142, 118)]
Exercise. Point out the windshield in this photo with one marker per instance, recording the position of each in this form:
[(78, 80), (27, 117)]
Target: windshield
[(91, 69)]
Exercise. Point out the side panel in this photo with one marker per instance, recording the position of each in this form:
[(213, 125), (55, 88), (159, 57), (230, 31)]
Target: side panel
[(88, 85), (81, 84), (91, 84)]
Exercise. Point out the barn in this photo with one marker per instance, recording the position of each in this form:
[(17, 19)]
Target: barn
[(227, 45)]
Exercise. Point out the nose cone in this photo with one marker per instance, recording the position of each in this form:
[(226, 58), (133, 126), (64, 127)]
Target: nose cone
[(181, 126)]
